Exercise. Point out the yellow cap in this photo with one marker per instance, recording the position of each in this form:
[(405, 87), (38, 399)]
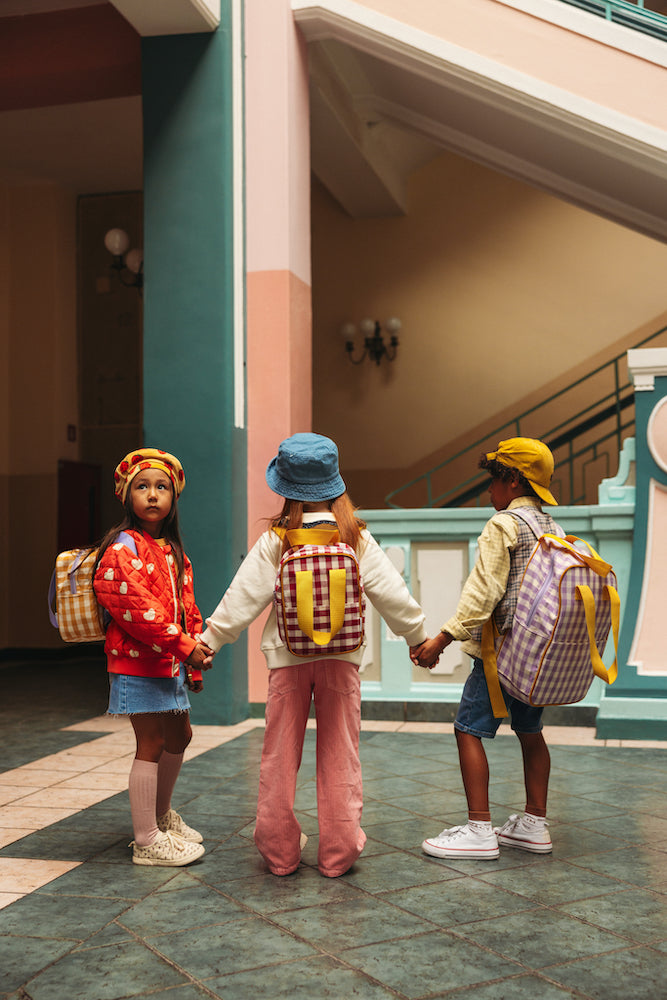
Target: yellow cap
[(532, 459)]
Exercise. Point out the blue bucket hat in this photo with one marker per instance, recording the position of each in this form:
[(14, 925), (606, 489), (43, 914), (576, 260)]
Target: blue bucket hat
[(306, 468)]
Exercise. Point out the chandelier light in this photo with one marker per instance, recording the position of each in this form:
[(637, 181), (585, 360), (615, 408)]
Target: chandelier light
[(375, 348), (128, 264)]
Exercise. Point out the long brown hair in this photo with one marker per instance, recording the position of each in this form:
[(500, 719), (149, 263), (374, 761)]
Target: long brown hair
[(342, 508), (171, 533)]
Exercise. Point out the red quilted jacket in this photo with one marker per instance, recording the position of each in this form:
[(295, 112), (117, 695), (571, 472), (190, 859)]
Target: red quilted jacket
[(145, 636)]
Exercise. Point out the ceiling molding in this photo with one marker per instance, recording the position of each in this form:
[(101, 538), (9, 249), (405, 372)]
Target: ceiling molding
[(170, 17)]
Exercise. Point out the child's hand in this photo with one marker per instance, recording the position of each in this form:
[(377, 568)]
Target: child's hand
[(428, 654), (208, 662), (193, 685), (198, 655)]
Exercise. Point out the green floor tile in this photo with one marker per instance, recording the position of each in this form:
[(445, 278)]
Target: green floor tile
[(238, 945), (358, 921), (635, 913), (540, 939), (429, 964), (320, 978), (639, 974), (122, 970)]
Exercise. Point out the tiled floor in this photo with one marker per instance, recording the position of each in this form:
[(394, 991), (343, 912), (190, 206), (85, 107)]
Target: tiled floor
[(80, 922)]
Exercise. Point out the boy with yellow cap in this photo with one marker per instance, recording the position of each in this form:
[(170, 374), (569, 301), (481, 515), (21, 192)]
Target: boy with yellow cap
[(521, 471)]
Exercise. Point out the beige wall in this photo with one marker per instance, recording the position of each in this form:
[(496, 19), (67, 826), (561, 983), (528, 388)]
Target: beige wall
[(39, 392), (500, 289)]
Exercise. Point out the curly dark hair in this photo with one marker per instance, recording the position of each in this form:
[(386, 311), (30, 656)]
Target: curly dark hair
[(497, 470)]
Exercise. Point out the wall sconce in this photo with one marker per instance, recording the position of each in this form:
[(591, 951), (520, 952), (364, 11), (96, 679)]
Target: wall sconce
[(375, 348), (129, 264)]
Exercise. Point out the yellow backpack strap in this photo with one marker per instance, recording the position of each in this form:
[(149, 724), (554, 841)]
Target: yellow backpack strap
[(312, 536), (491, 669), (585, 594), (590, 558), (304, 604)]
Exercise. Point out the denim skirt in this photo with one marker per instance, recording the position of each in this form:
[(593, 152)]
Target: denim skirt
[(130, 695)]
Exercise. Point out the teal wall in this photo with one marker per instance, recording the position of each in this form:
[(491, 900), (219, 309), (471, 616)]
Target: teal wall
[(188, 320)]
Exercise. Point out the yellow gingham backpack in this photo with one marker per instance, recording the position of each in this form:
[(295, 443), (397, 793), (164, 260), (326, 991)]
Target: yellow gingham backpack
[(73, 607)]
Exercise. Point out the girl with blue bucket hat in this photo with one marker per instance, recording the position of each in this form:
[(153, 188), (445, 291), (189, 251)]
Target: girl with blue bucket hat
[(305, 474)]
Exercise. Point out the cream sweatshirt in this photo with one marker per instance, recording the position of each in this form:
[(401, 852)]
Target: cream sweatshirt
[(251, 591)]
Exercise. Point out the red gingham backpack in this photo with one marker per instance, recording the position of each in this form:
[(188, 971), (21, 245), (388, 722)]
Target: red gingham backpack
[(566, 605), (319, 598)]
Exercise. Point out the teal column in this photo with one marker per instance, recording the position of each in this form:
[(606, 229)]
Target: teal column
[(188, 320), (635, 707)]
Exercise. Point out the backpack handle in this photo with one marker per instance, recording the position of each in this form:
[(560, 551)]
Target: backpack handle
[(312, 536), (304, 604), (585, 594), (590, 558)]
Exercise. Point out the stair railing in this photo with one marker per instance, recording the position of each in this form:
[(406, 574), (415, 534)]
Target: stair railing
[(570, 440)]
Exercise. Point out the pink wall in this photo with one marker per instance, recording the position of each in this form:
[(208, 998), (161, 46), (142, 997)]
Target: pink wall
[(278, 260)]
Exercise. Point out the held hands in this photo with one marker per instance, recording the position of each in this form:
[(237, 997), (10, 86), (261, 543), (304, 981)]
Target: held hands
[(200, 656), (428, 653), (197, 658)]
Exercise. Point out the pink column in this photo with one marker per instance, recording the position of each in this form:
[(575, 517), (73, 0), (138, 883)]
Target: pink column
[(278, 260)]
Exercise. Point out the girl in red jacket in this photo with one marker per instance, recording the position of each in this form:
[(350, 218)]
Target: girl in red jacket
[(144, 580)]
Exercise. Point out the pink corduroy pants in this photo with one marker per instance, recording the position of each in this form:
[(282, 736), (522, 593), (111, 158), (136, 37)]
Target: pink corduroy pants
[(334, 687)]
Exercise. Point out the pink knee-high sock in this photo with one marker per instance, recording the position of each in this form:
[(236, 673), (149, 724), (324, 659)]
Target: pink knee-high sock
[(168, 771), (143, 794)]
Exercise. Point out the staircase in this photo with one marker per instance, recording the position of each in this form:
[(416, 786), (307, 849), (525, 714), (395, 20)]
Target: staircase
[(585, 445)]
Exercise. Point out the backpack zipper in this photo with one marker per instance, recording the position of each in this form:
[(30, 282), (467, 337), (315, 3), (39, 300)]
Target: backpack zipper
[(538, 597)]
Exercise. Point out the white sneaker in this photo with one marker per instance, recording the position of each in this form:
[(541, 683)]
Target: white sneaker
[(176, 824), (462, 842), (527, 836), (167, 850)]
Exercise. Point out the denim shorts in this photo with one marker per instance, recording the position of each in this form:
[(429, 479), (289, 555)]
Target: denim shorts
[(130, 695), (475, 714)]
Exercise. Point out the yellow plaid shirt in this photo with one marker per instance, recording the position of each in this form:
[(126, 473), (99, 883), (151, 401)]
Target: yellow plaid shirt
[(488, 579)]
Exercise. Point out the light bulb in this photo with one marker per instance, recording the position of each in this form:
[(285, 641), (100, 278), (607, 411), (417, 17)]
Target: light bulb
[(134, 260), (117, 241)]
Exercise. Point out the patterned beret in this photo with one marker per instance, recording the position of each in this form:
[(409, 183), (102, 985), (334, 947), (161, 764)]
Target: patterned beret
[(147, 458)]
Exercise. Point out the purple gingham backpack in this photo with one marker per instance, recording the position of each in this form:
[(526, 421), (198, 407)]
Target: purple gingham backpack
[(566, 605), (318, 596)]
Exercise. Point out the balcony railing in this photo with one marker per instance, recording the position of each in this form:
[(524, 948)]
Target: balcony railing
[(628, 13)]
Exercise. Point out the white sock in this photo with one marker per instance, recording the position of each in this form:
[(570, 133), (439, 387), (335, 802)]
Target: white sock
[(480, 826), (536, 821)]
